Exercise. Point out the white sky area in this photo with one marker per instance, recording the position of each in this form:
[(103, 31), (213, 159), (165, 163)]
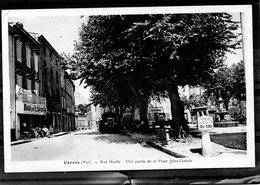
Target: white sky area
[(62, 31)]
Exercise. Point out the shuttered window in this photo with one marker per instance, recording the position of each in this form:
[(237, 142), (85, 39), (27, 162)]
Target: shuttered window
[(36, 62), (28, 84), (19, 80), (28, 56), (37, 88), (19, 50)]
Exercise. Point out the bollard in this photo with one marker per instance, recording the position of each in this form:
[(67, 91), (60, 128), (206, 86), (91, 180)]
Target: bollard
[(167, 134), (206, 144), (205, 124)]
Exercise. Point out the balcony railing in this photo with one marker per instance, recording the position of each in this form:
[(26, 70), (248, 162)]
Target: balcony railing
[(30, 98)]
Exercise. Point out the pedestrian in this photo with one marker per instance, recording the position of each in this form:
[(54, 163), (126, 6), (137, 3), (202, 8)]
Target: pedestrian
[(35, 132), (39, 131), (25, 131), (46, 131)]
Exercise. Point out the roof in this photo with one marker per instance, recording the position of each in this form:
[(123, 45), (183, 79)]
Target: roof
[(35, 35), (40, 38), (17, 28)]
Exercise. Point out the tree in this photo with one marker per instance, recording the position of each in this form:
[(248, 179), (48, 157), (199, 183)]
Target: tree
[(221, 86), (182, 50), (104, 63), (196, 101), (153, 54), (227, 82), (239, 86)]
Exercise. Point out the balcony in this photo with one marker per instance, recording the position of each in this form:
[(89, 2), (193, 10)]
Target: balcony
[(28, 102), (23, 70), (29, 96)]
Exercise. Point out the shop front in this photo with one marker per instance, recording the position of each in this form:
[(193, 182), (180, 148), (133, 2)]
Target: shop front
[(30, 109)]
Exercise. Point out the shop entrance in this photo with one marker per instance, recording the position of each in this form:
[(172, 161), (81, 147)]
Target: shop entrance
[(32, 121)]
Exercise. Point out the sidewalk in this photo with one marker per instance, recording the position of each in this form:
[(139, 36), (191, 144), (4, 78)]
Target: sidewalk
[(34, 139), (190, 146), (219, 130)]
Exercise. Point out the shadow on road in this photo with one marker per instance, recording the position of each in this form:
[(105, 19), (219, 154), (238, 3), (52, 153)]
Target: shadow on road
[(196, 150), (95, 132), (116, 138), (109, 138)]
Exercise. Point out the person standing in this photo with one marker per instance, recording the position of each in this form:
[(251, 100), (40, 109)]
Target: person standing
[(25, 131)]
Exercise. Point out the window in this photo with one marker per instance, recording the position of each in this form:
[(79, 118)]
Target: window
[(19, 80), (36, 62), (37, 88), (57, 77), (28, 84), (19, 50), (28, 56)]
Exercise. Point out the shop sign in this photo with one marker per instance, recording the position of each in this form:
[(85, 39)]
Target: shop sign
[(35, 108), (156, 109), (205, 123)]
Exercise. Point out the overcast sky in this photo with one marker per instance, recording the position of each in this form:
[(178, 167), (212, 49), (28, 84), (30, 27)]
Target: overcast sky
[(62, 31)]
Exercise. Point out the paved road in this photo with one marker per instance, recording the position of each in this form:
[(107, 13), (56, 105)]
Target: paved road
[(84, 144)]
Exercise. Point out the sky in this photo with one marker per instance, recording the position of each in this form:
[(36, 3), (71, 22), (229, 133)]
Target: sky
[(62, 31)]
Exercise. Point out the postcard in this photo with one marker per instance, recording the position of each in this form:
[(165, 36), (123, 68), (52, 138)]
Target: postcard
[(129, 88)]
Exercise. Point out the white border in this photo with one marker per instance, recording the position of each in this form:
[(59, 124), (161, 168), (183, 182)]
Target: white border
[(240, 162)]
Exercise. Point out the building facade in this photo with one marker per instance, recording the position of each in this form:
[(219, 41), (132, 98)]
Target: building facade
[(88, 115), (164, 105), (81, 120), (93, 114), (37, 96), (67, 102), (51, 83), (27, 103)]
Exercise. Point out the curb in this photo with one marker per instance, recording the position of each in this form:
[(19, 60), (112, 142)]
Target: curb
[(27, 141), (60, 134), (20, 142), (159, 147)]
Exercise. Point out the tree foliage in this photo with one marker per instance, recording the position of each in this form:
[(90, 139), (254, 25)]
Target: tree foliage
[(194, 101), (227, 82), (128, 58)]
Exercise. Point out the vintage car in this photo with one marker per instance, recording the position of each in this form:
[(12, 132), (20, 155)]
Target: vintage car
[(159, 120), (109, 123)]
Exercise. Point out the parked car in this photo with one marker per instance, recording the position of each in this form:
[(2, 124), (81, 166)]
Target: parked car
[(159, 120), (109, 123)]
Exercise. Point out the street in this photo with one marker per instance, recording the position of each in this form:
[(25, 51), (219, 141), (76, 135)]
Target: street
[(84, 144)]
